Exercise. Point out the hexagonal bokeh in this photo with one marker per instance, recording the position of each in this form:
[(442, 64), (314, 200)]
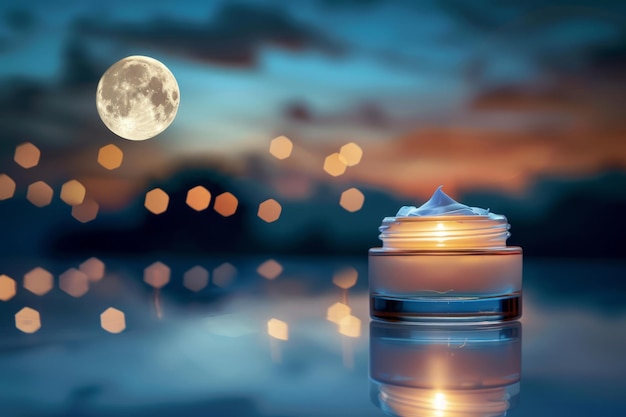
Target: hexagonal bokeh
[(335, 164), (278, 329), (113, 320), (270, 269), (352, 200), (7, 288), (351, 153), (39, 194), (74, 282), (350, 326), (110, 157), (196, 279), (226, 204), (224, 275), (281, 147), (198, 198), (73, 193), (157, 275), (269, 210), (7, 187), (157, 201), (38, 281), (28, 320), (345, 278), (27, 155), (94, 268), (337, 312), (85, 211)]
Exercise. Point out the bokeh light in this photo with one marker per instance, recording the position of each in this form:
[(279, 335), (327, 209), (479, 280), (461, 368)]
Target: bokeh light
[(278, 329), (350, 326), (198, 198), (337, 312), (7, 288), (28, 320), (74, 282), (281, 147), (27, 155), (352, 200), (73, 192), (226, 204), (94, 268), (110, 157), (38, 281), (346, 278), (39, 194), (270, 269), (85, 211), (157, 275), (224, 275), (351, 153), (7, 187), (113, 320), (196, 279), (157, 201), (335, 164), (269, 210)]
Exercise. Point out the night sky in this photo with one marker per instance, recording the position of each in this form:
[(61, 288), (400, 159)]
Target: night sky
[(517, 106)]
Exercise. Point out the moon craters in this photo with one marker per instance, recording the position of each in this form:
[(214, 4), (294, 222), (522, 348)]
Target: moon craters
[(137, 98)]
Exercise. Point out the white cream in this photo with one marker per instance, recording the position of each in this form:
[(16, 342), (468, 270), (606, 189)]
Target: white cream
[(449, 251), (441, 204)]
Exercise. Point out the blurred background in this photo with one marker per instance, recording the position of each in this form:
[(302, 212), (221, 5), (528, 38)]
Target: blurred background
[(514, 106), (230, 251)]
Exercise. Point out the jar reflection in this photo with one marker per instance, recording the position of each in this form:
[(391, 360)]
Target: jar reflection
[(445, 371)]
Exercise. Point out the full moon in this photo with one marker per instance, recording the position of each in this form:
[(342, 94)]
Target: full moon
[(137, 97)]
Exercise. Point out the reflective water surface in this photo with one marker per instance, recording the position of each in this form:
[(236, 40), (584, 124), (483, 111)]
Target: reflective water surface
[(292, 337)]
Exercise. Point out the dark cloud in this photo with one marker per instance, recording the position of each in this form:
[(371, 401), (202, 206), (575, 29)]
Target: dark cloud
[(232, 38), (19, 20)]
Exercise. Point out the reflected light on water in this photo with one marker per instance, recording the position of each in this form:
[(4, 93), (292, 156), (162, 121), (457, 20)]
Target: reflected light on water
[(28, 320), (73, 193), (439, 403), (74, 282), (196, 279), (270, 269), (7, 187), (224, 275), (113, 320), (278, 329), (338, 312), (350, 326), (346, 278), (85, 211), (157, 275), (39, 194), (27, 155), (38, 281), (7, 288)]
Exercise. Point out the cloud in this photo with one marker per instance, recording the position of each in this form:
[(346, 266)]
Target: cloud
[(232, 38)]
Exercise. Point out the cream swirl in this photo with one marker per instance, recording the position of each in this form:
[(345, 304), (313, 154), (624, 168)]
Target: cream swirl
[(441, 204)]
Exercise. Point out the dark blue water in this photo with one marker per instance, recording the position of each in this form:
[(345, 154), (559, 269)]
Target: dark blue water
[(184, 353)]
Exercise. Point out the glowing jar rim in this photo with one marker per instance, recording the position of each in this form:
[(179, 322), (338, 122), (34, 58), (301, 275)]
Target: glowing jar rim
[(445, 233)]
